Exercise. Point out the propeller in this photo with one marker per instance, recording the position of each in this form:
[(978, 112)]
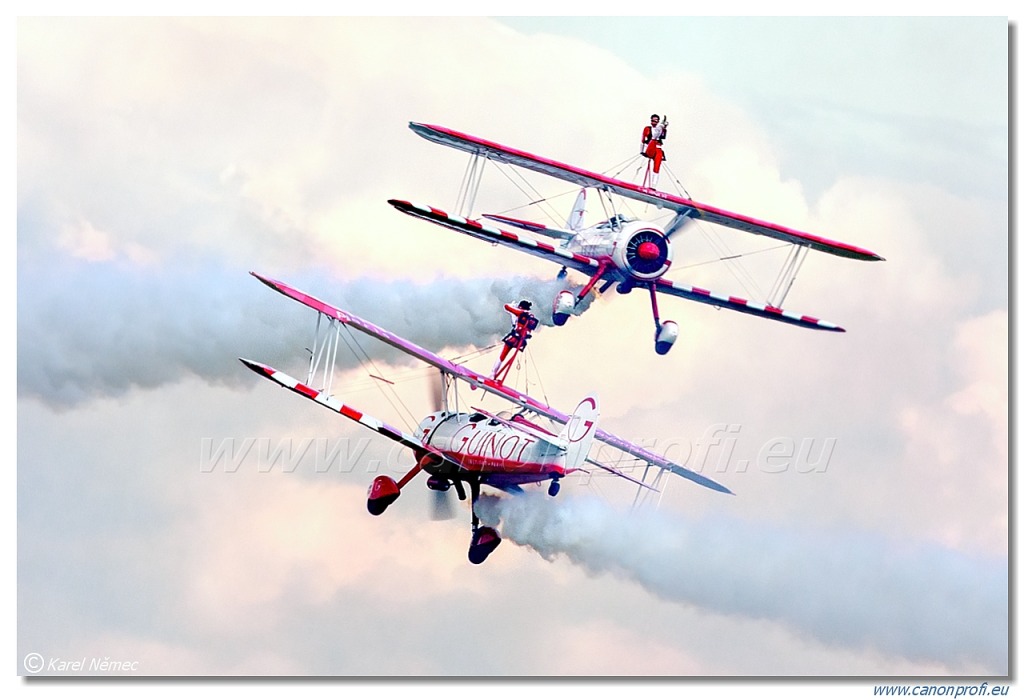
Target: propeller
[(437, 392), (441, 505), (646, 251), (440, 501)]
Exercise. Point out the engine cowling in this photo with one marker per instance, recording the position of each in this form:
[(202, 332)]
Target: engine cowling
[(643, 252)]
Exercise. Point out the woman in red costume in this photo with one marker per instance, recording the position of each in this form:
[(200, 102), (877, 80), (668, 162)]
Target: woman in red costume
[(522, 330), (653, 137)]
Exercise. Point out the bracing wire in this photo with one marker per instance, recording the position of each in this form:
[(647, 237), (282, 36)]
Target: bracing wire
[(524, 186), (392, 397), (733, 257), (725, 254)]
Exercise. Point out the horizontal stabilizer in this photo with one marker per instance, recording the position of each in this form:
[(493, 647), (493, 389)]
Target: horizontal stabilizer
[(539, 434), (487, 232), (530, 226)]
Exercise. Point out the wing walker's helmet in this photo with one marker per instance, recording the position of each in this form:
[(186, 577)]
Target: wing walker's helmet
[(655, 116), (525, 305)]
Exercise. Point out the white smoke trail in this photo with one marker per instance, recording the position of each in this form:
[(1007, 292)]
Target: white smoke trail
[(919, 602), (87, 330)]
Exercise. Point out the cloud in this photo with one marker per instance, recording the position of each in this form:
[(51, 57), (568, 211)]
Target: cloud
[(845, 589), (93, 329), (960, 441), (159, 160), (267, 544)]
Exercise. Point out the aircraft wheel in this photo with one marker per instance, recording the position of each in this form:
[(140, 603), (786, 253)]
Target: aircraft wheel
[(485, 540), (553, 488), (565, 302), (666, 337), (437, 483)]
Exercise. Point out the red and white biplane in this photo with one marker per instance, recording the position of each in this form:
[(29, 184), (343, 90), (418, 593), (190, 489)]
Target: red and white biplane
[(474, 448), (626, 252)]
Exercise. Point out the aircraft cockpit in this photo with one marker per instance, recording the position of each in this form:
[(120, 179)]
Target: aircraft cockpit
[(615, 223)]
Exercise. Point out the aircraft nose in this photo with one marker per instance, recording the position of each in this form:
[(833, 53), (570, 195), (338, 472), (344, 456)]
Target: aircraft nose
[(648, 251)]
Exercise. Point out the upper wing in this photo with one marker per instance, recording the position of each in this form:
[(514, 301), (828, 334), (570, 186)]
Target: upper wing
[(486, 232), (474, 379), (735, 303), (586, 178)]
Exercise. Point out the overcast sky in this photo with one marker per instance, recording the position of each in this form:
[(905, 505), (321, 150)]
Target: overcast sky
[(160, 160)]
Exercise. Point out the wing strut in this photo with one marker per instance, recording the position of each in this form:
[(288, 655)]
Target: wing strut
[(787, 275), (602, 268), (470, 185), (649, 492), (324, 350)]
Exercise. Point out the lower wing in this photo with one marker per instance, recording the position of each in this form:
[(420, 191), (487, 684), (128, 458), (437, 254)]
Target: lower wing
[(589, 266), (332, 403), (734, 303), (486, 232)]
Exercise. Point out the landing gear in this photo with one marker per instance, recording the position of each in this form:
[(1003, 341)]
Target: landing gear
[(665, 333), (553, 488), (565, 302), (383, 492), (485, 539), (437, 483)]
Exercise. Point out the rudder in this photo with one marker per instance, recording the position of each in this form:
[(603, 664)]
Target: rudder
[(575, 221), (579, 432)]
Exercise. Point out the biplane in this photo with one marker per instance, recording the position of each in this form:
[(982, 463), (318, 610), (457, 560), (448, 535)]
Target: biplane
[(626, 252), (468, 449)]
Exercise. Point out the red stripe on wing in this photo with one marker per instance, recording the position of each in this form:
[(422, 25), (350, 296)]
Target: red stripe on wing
[(351, 413), (306, 391)]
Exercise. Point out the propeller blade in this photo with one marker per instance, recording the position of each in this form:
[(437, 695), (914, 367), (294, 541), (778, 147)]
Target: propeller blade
[(436, 392), (441, 506)]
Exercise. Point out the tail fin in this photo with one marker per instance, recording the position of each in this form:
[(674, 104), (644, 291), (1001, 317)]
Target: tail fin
[(575, 222), (579, 432)]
